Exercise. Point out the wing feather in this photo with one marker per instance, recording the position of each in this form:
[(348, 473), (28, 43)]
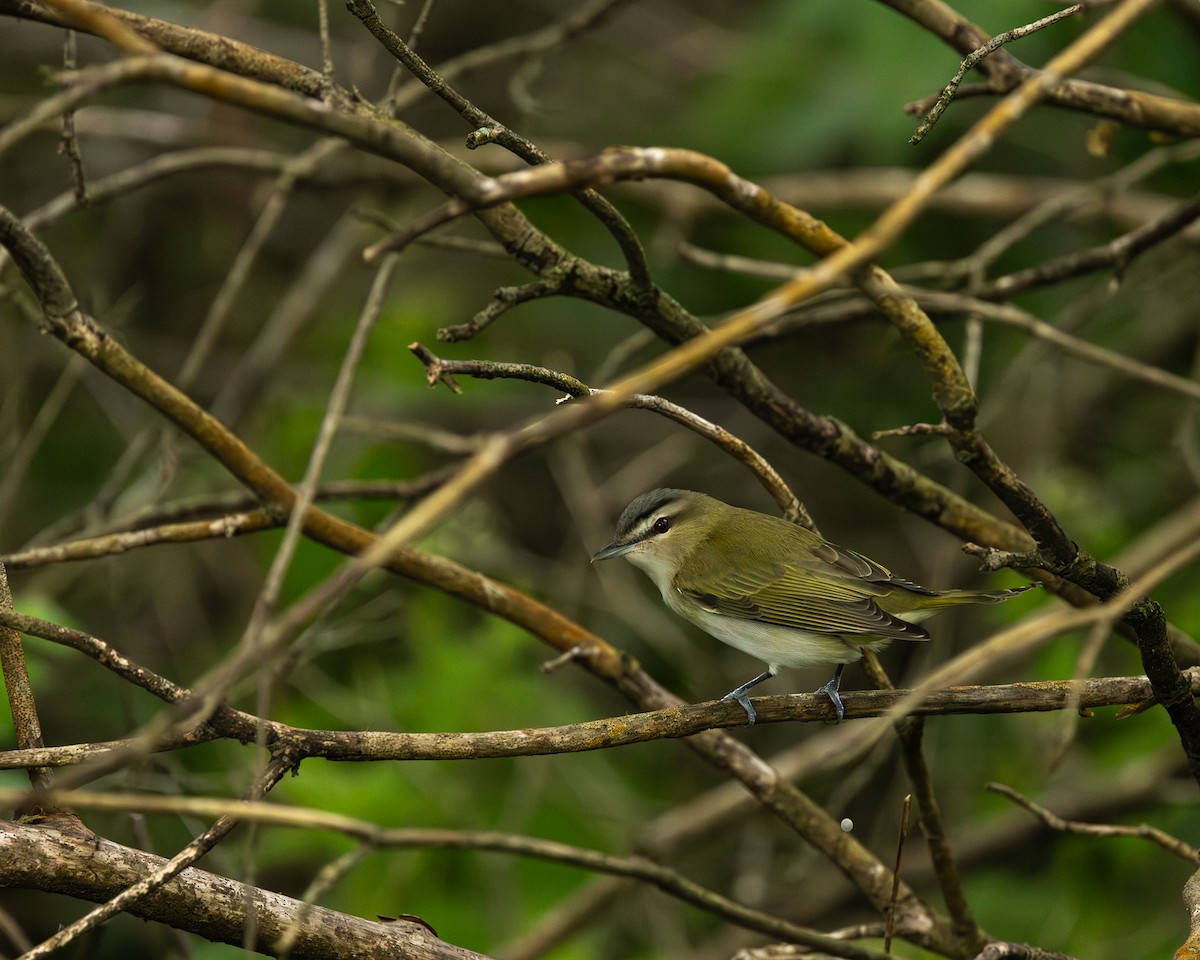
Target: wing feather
[(819, 587)]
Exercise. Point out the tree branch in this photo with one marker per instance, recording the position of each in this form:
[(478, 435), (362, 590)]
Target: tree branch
[(1144, 831), (1191, 900), (19, 691), (601, 208), (79, 864), (214, 49), (438, 369), (633, 867), (678, 720), (994, 44), (149, 884), (1004, 73)]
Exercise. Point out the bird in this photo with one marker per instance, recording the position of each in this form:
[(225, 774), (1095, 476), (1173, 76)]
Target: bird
[(772, 588)]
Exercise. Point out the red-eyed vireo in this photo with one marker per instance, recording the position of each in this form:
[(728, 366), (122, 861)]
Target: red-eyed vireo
[(774, 589)]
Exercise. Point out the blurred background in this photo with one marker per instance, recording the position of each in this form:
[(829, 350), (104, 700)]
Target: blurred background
[(806, 98)]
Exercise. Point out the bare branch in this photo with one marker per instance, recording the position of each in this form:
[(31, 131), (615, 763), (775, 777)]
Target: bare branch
[(635, 867), (1143, 831), (302, 282), (438, 369), (230, 525), (19, 692), (1191, 900), (1004, 73), (670, 722), (1116, 253), (587, 16), (199, 45), (970, 935), (1076, 346), (503, 300), (147, 885), (94, 18), (947, 94), (602, 209), (901, 838), (83, 865), (84, 335)]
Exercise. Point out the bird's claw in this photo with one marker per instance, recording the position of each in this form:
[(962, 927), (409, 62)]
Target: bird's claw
[(830, 690), (740, 696)]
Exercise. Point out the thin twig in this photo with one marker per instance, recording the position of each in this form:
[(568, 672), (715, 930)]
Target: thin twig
[(602, 209), (225, 515), (910, 732), (301, 303), (17, 463), (112, 544), (1084, 664), (585, 17), (19, 691), (252, 644), (325, 879), (901, 837), (503, 300), (70, 141), (1118, 253), (218, 314), (438, 369), (1014, 316), (418, 27), (943, 101), (941, 853), (326, 44), (1143, 831)]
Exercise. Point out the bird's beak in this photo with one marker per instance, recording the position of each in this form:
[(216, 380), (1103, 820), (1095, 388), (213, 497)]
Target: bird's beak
[(613, 549)]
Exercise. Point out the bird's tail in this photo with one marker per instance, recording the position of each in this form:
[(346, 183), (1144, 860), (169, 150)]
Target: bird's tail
[(951, 598), (914, 608)]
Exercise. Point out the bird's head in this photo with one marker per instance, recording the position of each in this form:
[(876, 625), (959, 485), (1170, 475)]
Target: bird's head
[(659, 529)]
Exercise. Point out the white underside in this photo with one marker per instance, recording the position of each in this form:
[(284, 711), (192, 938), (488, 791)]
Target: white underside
[(775, 645)]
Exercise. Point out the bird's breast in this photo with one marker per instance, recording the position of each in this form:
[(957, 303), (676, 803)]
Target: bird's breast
[(770, 642)]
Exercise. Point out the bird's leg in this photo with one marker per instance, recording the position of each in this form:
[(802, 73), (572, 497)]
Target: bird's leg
[(831, 691), (740, 694)]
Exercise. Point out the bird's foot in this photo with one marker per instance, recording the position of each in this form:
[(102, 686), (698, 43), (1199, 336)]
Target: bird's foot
[(830, 690), (740, 696)]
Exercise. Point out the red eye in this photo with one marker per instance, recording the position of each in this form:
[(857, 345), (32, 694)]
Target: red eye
[(661, 525)]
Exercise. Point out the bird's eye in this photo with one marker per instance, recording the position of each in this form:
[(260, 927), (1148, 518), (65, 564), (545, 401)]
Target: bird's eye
[(661, 525)]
